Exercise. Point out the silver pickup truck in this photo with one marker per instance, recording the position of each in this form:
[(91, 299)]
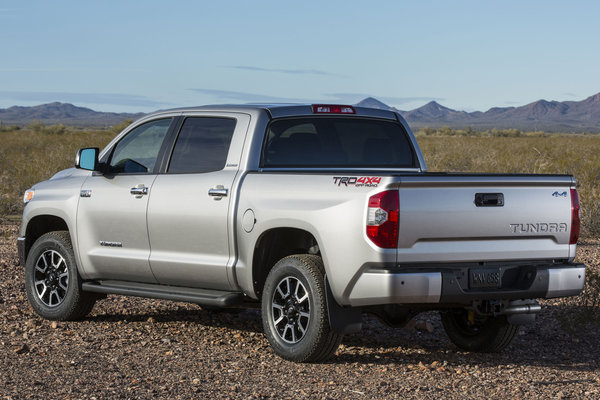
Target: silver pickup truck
[(315, 213)]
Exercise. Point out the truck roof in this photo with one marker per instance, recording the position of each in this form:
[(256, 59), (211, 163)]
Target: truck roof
[(285, 110)]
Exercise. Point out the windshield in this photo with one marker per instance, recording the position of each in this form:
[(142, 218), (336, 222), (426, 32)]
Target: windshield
[(312, 142)]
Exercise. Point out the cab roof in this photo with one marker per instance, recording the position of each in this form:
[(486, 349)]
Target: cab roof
[(288, 110)]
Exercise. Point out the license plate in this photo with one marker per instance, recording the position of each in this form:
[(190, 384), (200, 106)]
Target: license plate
[(485, 278)]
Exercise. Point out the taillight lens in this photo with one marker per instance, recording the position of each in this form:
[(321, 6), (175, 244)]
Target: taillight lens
[(575, 221), (382, 219)]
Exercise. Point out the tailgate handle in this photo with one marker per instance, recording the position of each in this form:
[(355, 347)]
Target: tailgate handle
[(489, 199)]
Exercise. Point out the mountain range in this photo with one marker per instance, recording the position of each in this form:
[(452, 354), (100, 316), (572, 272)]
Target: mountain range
[(541, 115), (62, 113)]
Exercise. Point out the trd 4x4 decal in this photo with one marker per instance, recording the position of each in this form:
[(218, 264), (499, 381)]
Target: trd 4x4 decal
[(363, 181)]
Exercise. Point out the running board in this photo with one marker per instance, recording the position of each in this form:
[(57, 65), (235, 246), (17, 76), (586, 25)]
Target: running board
[(207, 297)]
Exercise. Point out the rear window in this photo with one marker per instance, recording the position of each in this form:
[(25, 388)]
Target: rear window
[(337, 142)]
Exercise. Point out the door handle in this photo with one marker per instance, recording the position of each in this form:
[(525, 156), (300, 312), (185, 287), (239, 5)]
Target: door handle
[(139, 191), (489, 199), (218, 192)]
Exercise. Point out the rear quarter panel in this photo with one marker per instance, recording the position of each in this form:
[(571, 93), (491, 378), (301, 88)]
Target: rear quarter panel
[(334, 214)]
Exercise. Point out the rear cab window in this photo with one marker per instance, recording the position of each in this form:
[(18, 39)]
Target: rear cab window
[(337, 142), (202, 145)]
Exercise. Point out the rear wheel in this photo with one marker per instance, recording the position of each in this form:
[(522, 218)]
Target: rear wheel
[(294, 310), (51, 279), (474, 333)]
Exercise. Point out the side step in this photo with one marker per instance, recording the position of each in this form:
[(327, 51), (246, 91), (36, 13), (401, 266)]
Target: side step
[(207, 297)]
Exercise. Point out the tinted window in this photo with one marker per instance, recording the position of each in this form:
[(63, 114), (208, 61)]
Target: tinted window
[(337, 142), (138, 150), (202, 145)]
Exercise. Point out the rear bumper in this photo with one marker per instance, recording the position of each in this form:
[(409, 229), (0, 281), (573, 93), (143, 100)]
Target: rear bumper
[(21, 250), (450, 284)]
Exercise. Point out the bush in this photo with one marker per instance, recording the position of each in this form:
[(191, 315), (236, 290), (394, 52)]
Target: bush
[(10, 128), (41, 128)]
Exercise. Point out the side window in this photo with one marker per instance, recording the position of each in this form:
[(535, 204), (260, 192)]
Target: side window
[(202, 145), (138, 150)]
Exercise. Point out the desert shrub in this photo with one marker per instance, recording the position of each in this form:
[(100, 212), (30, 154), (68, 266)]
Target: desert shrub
[(41, 128), (36, 126), (9, 128), (55, 129)]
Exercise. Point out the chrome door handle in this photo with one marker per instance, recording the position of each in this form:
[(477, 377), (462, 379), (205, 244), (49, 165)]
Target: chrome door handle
[(217, 192), (139, 191)]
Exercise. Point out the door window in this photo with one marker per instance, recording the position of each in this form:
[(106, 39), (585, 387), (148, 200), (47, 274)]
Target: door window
[(137, 152), (202, 145)]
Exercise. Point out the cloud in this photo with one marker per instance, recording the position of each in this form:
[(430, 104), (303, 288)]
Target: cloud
[(344, 98), (569, 94), (228, 95), (283, 70), (356, 97), (119, 99)]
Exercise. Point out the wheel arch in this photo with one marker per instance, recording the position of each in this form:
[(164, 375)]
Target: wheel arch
[(41, 224), (275, 244)]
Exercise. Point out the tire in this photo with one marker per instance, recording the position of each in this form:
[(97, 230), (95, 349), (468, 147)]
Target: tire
[(52, 281), (489, 335), (294, 310)]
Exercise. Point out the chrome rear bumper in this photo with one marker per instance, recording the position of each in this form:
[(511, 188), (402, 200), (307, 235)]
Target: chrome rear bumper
[(451, 285)]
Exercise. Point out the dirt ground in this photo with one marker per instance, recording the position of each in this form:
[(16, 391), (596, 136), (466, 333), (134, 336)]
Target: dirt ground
[(131, 348)]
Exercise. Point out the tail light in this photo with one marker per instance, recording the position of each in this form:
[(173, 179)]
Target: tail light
[(332, 109), (575, 221), (382, 219)]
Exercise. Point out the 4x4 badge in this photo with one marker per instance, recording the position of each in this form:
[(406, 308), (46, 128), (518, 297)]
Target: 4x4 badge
[(557, 194)]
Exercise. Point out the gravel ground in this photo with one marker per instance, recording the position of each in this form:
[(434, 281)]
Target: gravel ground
[(132, 348)]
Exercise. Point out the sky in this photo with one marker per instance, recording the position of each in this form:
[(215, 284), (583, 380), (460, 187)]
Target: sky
[(141, 56)]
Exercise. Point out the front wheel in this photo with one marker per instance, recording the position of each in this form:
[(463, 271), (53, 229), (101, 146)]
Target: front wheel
[(51, 279), (474, 333), (294, 310)]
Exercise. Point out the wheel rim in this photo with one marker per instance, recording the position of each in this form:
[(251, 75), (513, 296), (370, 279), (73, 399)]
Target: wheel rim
[(51, 278), (291, 310)]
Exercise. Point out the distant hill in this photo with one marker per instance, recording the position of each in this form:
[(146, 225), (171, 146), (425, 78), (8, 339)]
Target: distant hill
[(62, 113), (541, 115)]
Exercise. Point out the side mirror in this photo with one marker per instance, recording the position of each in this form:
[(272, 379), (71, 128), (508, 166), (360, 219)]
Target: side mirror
[(87, 159)]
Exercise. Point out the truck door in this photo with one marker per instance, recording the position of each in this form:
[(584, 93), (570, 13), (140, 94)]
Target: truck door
[(190, 207), (111, 215)]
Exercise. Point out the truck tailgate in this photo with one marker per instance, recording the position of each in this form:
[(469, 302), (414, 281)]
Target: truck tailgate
[(456, 218)]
